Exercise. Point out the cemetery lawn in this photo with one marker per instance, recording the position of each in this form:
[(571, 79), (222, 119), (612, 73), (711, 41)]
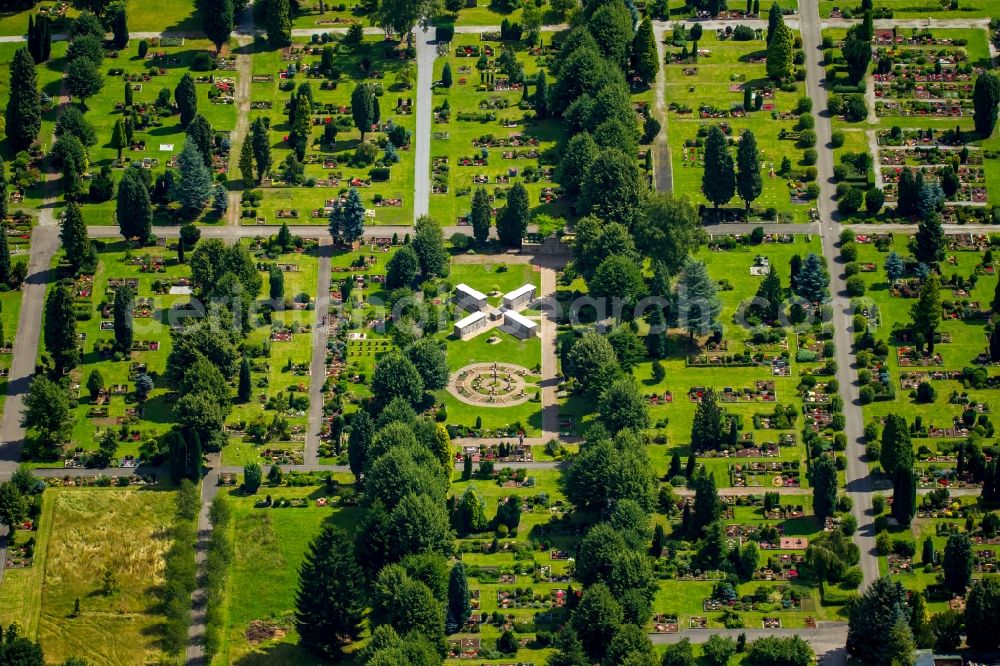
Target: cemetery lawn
[(90, 530), (49, 83), (165, 138), (117, 407), (284, 370), (270, 545), (323, 163), (977, 51), (673, 420), (718, 84), (452, 140), (21, 592), (333, 18), (902, 9), (143, 16), (968, 339), (920, 578)]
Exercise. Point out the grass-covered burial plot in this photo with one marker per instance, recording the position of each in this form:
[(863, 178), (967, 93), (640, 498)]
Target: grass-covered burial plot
[(485, 132), (24, 165), (516, 558), (915, 555), (772, 586), (270, 426), (103, 549), (729, 85), (358, 297), (946, 393), (110, 403), (270, 542), (763, 377), (906, 9), (152, 135), (316, 161)]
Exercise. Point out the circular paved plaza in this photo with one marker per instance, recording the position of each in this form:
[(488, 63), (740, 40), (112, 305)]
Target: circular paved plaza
[(490, 384)]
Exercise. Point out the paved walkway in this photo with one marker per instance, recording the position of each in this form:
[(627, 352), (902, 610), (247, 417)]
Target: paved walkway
[(195, 653), (858, 481), (426, 52), (44, 242), (663, 162), (550, 359), (317, 367)]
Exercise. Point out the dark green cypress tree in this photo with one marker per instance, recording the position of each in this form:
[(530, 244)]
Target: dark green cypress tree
[(5, 266), (362, 429), (481, 215), (186, 97), (748, 180), (246, 387), (60, 329), (119, 27), (512, 221), (904, 496), (200, 131), (459, 605), (33, 40), (773, 19), (194, 456), (176, 447), (261, 143), (134, 208), (719, 179), (74, 236), (3, 191), (46, 39), (24, 107), (124, 328)]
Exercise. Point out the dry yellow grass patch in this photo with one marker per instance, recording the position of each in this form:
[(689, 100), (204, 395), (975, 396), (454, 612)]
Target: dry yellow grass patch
[(125, 531)]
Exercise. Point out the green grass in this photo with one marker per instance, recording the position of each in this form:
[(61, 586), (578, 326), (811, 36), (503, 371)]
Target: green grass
[(21, 592), (902, 9), (673, 421), (465, 96), (103, 115), (115, 263), (968, 338), (307, 199), (715, 84), (270, 546), (287, 366)]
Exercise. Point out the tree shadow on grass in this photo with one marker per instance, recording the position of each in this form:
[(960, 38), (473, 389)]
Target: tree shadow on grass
[(278, 654)]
